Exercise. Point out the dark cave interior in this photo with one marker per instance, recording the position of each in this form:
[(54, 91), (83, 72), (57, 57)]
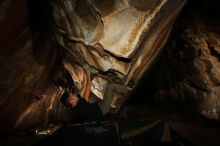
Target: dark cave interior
[(170, 91)]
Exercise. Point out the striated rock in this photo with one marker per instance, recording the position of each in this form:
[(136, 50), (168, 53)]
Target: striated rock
[(26, 61), (116, 36), (117, 40)]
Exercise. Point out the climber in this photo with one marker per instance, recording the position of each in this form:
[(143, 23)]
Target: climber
[(86, 111)]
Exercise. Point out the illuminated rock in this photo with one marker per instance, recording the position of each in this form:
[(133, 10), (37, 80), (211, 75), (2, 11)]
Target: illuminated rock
[(117, 40)]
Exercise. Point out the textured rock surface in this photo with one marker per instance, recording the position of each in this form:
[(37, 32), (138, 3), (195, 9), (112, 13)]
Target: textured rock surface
[(188, 73), (25, 67), (118, 40)]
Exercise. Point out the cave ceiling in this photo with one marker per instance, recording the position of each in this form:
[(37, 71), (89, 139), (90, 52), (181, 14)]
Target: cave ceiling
[(118, 37)]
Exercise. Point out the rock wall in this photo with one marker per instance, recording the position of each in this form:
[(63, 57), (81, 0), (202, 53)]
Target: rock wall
[(117, 40), (188, 72), (26, 62)]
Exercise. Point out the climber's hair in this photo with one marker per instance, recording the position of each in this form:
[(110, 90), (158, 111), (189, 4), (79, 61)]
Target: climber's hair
[(68, 85)]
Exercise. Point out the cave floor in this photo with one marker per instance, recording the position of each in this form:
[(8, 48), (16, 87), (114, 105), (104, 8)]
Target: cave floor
[(195, 129)]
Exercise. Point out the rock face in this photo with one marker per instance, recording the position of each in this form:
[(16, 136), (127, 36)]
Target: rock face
[(117, 40), (25, 63), (204, 75), (188, 72)]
